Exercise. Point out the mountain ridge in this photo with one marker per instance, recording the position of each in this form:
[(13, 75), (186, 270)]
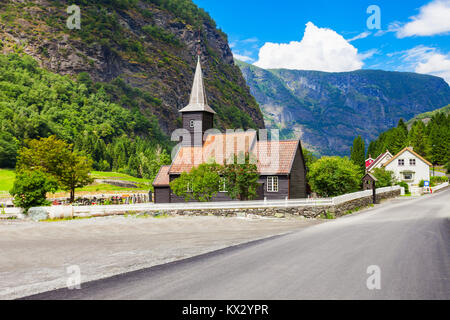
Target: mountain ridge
[(328, 110)]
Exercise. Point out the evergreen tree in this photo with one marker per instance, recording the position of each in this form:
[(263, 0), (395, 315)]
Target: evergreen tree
[(418, 139), (357, 153), (396, 140), (402, 126)]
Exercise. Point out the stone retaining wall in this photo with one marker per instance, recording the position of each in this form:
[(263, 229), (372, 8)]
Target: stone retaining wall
[(305, 211), (308, 209)]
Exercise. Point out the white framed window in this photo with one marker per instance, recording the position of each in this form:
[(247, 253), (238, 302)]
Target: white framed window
[(401, 162), (412, 162), (191, 123), (189, 187), (222, 185), (408, 176), (272, 184)]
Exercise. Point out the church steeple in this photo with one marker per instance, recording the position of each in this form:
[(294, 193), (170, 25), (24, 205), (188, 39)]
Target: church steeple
[(197, 116), (198, 101)]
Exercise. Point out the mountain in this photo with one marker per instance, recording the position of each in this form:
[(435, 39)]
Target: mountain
[(328, 110), (142, 52)]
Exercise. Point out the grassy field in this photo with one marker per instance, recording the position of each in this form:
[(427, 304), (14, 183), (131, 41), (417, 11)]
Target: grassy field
[(7, 177), (6, 180), (117, 176)]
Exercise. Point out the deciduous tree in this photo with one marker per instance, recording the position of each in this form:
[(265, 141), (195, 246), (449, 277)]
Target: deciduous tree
[(30, 189), (241, 177), (201, 183), (55, 157), (333, 176)]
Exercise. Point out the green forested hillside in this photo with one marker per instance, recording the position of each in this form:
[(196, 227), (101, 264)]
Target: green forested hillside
[(37, 103), (426, 116), (431, 140), (113, 88), (145, 50)]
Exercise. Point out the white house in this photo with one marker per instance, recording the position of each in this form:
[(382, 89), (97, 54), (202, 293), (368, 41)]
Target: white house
[(408, 166), (378, 162)]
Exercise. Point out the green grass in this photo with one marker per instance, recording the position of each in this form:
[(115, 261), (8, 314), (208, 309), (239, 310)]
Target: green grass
[(328, 215), (7, 177), (117, 176), (108, 187)]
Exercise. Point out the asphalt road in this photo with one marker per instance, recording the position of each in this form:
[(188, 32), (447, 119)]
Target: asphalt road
[(408, 239)]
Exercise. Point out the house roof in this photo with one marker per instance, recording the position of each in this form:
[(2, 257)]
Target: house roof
[(410, 150), (198, 101), (162, 178), (276, 157), (371, 176), (378, 159), (273, 157)]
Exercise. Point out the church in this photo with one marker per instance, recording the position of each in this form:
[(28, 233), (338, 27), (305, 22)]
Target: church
[(280, 163)]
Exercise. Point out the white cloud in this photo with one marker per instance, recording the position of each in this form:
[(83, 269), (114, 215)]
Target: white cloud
[(433, 18), (243, 58), (250, 40), (320, 49), (437, 65), (362, 35), (427, 60)]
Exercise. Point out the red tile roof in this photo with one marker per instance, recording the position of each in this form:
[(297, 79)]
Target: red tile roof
[(217, 147), (273, 157), (276, 157), (162, 178)]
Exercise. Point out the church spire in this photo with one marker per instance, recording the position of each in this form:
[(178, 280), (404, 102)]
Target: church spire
[(197, 101)]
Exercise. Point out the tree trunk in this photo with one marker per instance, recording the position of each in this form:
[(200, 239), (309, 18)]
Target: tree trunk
[(72, 195)]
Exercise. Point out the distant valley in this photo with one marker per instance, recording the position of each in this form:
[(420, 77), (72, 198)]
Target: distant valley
[(328, 110)]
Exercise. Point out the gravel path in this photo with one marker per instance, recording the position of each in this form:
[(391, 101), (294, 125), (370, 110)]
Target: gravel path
[(35, 255)]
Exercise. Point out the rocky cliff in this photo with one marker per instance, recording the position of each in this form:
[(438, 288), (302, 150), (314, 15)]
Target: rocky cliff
[(143, 52), (328, 110)]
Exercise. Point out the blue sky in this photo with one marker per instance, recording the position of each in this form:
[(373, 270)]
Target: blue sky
[(334, 35)]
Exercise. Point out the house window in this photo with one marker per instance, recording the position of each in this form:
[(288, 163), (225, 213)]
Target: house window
[(191, 123), (272, 184), (408, 176), (412, 162), (401, 162), (222, 185), (189, 187)]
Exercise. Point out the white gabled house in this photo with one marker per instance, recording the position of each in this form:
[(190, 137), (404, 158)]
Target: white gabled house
[(408, 166), (378, 162)]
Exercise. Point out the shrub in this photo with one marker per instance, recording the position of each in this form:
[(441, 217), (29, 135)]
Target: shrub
[(30, 189), (437, 180), (333, 176), (385, 178), (404, 185)]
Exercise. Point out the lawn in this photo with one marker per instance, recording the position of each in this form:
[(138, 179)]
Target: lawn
[(104, 187), (6, 180), (117, 176)]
